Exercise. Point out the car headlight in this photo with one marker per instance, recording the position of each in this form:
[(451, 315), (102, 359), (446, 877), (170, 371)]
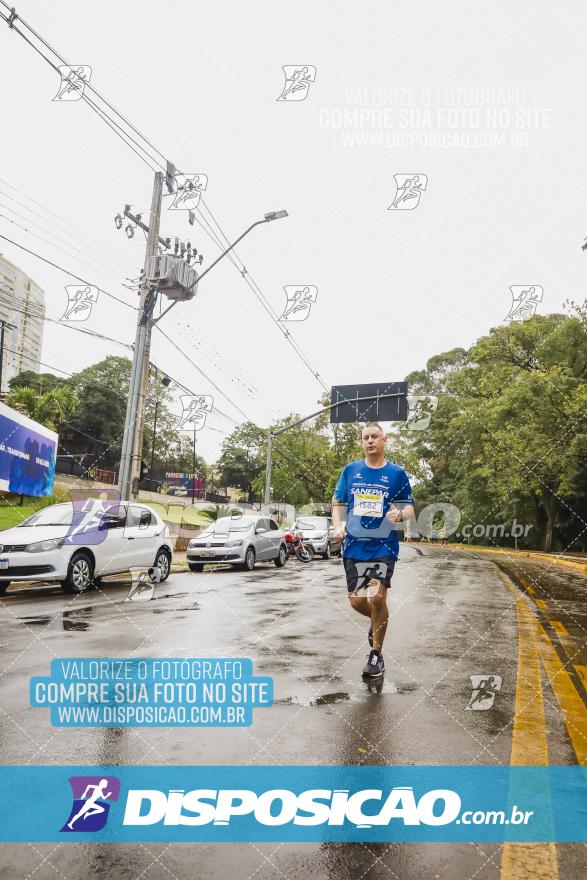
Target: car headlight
[(233, 543), (43, 546), (319, 535)]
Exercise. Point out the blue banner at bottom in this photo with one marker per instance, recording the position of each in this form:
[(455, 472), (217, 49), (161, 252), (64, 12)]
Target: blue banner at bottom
[(293, 803)]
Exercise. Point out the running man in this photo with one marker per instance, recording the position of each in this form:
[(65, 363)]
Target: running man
[(90, 807), (376, 495)]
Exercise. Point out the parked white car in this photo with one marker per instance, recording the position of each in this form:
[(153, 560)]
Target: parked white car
[(40, 549), (239, 540)]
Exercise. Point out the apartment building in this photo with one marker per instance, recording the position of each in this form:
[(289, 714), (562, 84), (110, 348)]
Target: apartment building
[(22, 309)]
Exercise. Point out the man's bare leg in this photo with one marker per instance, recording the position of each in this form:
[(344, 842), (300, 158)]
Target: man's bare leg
[(374, 607), (379, 617)]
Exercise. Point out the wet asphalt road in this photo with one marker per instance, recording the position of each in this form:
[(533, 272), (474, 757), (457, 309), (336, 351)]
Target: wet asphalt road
[(453, 615)]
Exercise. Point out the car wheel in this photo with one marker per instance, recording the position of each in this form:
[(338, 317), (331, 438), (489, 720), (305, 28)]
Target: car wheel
[(249, 563), (3, 587), (195, 566), (80, 574), (327, 554), (281, 559), (163, 563)]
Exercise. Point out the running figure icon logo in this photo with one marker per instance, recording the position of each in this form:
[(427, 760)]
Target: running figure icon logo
[(73, 82), (369, 575), (525, 299), (194, 411), (299, 301), (298, 80), (80, 299), (91, 802), (409, 190), (485, 687)]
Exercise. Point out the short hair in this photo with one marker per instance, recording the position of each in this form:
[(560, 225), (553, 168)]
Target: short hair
[(372, 425)]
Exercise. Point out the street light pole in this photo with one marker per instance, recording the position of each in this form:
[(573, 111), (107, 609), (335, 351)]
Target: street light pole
[(194, 468), (153, 443), (272, 215), (268, 464), (130, 457)]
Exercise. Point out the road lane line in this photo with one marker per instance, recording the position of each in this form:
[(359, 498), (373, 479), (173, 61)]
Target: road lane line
[(527, 861), (571, 704), (582, 671), (559, 628)]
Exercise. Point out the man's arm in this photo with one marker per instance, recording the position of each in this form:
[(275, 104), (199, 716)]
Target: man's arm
[(337, 509)]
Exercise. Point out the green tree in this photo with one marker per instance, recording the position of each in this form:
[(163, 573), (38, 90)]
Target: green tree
[(510, 428), (51, 408), (241, 458)]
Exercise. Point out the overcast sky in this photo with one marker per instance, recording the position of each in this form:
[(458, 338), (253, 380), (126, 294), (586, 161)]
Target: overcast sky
[(485, 99)]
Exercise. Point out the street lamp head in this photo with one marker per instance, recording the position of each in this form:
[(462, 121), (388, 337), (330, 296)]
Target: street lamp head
[(275, 215)]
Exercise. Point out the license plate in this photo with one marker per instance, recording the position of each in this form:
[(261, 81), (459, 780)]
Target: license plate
[(207, 553), (4, 564)]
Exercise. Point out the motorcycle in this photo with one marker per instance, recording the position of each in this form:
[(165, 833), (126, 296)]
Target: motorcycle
[(296, 545)]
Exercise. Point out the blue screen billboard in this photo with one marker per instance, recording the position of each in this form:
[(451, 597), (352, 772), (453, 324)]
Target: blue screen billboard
[(28, 452)]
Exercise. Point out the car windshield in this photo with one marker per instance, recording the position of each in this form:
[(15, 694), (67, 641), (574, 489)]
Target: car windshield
[(234, 524), (55, 515), (312, 522)]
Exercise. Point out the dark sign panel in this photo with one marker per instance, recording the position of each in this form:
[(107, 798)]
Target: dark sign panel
[(387, 402)]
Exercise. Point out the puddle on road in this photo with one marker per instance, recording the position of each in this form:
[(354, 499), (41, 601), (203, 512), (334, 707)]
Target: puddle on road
[(356, 692), (74, 620), (39, 620)]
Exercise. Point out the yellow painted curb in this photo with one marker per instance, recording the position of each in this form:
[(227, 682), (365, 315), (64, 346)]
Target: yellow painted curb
[(471, 548)]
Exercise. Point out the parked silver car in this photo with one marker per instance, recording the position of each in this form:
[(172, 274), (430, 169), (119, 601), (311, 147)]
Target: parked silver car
[(319, 532), (239, 540)]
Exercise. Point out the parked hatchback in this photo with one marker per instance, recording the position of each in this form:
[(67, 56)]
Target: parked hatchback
[(45, 547), (239, 540), (319, 532)]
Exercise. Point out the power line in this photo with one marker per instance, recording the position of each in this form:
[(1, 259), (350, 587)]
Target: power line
[(85, 247), (129, 140), (67, 271), (89, 244), (40, 316), (199, 369), (243, 271), (57, 248)]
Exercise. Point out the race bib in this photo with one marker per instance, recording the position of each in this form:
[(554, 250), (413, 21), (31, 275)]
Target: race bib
[(368, 504)]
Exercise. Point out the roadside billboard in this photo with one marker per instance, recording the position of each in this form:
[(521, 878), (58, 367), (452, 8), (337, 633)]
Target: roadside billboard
[(28, 452)]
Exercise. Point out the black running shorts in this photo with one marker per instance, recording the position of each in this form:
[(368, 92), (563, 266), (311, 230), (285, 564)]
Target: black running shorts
[(360, 571)]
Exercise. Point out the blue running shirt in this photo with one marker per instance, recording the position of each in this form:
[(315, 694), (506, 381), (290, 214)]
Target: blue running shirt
[(369, 493)]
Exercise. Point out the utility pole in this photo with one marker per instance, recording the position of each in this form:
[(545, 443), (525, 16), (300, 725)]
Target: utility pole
[(268, 464), (132, 443)]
